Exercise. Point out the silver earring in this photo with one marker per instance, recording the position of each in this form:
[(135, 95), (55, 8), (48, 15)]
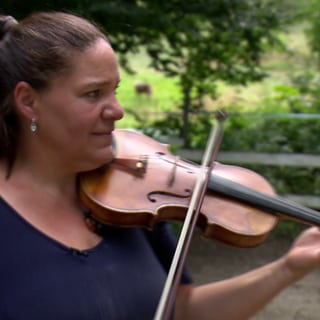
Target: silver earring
[(33, 125)]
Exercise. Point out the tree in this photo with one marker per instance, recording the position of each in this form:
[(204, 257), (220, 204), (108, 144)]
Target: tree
[(313, 29), (198, 41)]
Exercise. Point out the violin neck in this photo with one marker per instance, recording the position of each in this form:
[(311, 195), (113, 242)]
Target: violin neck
[(268, 203)]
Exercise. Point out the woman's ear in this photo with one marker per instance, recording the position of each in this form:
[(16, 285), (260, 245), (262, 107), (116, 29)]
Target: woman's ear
[(25, 98)]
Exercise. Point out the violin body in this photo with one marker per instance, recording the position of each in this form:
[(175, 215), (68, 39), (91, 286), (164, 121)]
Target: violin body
[(145, 183)]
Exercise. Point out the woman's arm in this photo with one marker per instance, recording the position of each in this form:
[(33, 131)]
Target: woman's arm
[(241, 297)]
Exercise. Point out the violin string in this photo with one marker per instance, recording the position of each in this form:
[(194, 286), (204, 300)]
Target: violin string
[(150, 160)]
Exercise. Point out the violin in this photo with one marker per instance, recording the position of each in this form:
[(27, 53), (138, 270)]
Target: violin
[(146, 183)]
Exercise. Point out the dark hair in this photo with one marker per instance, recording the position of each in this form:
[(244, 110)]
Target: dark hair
[(34, 50)]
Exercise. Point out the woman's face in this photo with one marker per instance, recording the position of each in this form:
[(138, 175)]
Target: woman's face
[(77, 114)]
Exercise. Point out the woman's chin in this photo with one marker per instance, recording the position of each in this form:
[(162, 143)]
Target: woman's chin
[(100, 160)]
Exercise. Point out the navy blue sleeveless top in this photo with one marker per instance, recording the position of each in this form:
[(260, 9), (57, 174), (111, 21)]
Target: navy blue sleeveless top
[(121, 278)]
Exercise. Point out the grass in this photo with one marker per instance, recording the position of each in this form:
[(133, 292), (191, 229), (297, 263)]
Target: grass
[(165, 92)]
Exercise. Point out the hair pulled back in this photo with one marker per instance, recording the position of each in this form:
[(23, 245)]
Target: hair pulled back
[(34, 50)]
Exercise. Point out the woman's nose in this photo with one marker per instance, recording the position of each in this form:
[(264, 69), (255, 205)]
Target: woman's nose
[(113, 111)]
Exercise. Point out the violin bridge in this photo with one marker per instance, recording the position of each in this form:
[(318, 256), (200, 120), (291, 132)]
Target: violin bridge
[(173, 172)]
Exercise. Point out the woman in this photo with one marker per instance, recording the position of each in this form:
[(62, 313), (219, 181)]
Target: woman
[(58, 81)]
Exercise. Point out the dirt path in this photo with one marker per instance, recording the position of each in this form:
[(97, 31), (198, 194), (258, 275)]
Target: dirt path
[(209, 261)]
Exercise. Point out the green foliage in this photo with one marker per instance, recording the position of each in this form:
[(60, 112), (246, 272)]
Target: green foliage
[(290, 180), (203, 39), (253, 132), (313, 31), (272, 134), (287, 229), (301, 96)]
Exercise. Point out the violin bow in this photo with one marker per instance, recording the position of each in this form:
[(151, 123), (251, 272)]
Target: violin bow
[(167, 298)]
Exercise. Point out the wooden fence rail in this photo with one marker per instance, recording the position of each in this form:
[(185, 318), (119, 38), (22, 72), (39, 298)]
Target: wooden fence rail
[(279, 159)]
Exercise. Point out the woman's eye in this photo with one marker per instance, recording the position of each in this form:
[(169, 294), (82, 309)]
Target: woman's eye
[(93, 94)]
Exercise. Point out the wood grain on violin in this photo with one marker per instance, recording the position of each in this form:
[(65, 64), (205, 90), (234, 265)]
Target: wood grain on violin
[(145, 183)]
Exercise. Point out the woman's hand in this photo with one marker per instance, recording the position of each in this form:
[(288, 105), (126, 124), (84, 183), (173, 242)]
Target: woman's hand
[(304, 255)]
